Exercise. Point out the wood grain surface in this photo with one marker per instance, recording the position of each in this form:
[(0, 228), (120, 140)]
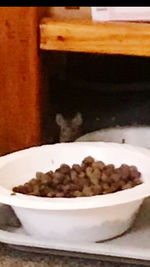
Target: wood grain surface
[(19, 79), (109, 38)]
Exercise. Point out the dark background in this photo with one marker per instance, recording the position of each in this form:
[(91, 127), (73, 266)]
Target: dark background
[(108, 90)]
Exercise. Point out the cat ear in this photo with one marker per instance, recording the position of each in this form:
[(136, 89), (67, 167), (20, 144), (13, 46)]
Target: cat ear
[(77, 120), (60, 119)]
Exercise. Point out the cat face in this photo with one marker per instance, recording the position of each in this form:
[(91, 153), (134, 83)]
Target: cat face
[(69, 129)]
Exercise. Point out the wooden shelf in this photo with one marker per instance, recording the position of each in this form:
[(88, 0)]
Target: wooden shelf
[(107, 38)]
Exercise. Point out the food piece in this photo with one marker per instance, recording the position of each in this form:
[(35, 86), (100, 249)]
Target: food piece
[(88, 179)]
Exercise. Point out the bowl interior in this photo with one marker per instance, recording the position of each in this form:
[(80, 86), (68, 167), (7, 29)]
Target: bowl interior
[(23, 165)]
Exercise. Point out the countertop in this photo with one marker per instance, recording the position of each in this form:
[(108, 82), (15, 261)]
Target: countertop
[(10, 257)]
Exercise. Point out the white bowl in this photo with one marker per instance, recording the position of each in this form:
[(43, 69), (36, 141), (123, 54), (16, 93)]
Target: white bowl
[(137, 136), (73, 219)]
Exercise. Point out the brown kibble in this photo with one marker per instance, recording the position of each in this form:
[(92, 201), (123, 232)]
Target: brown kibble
[(33, 181), (58, 178), (127, 186), (58, 175), (125, 171), (51, 194), (64, 168), (137, 181), (82, 182), (88, 160), (73, 174), (29, 187), (77, 168), (134, 172), (39, 175), (13, 194), (66, 188), (83, 166), (105, 186), (60, 194), (108, 169), (20, 189), (88, 179), (95, 176), (120, 184), (46, 179), (44, 190), (98, 164), (67, 179), (113, 188), (81, 175), (115, 177), (74, 187), (89, 171), (36, 190), (97, 189), (50, 173), (87, 191), (77, 194), (97, 173), (104, 177)]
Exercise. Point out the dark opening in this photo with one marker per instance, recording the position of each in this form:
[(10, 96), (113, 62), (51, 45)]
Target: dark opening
[(107, 90)]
